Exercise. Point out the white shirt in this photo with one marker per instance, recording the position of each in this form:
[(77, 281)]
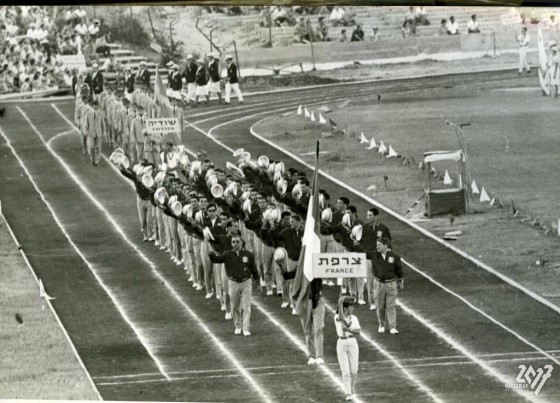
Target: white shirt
[(473, 26), (352, 323), (453, 28), (523, 40)]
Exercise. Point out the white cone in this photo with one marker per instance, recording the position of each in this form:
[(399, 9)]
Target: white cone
[(382, 148), (363, 138), (474, 188), (307, 115), (312, 116), (299, 111), (42, 292), (322, 119), (392, 152), (372, 144), (447, 179), (484, 196)]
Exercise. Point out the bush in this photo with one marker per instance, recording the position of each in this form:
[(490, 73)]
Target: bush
[(125, 28)]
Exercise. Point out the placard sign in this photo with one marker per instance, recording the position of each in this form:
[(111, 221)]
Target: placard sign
[(510, 19), (163, 126), (334, 265)]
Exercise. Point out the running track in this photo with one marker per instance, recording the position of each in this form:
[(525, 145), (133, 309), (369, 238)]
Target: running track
[(144, 334)]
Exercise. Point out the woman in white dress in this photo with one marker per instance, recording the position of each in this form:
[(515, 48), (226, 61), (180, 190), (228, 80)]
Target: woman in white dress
[(347, 351)]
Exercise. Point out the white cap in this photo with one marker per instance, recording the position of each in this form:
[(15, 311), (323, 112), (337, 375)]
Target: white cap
[(210, 54), (189, 56), (95, 66), (228, 57)]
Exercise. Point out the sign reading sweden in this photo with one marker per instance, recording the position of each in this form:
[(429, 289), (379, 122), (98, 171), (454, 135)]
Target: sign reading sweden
[(330, 265), (163, 126)]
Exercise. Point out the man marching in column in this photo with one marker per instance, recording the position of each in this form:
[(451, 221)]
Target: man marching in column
[(240, 267), (190, 78), (232, 81), (95, 130)]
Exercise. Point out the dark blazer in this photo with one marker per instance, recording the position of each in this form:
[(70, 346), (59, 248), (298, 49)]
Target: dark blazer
[(214, 70), (144, 78), (190, 73), (97, 82), (129, 84), (232, 74)]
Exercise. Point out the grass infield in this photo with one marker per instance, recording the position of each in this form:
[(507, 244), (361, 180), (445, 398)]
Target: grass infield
[(37, 362)]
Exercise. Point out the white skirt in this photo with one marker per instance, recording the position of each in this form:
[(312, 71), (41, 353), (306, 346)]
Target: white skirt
[(201, 90), (213, 86)]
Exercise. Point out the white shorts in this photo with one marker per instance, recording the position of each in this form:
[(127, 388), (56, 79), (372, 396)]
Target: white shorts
[(201, 90), (213, 86)]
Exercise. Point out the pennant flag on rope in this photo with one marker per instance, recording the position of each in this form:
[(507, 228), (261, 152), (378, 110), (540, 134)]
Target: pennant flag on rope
[(322, 119), (312, 116), (382, 148), (447, 179), (484, 196), (363, 138), (307, 115), (372, 144), (474, 188), (392, 152), (492, 202), (299, 111)]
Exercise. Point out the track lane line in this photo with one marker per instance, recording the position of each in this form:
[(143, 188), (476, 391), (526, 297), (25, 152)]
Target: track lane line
[(221, 347), (46, 300), (432, 280), (432, 327), (413, 225), (113, 298), (292, 338)]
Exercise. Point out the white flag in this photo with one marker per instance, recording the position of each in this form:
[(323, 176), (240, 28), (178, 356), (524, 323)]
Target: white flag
[(372, 144), (307, 115), (363, 138), (484, 196), (299, 111), (392, 152), (447, 179), (474, 188), (312, 116), (382, 148), (322, 119)]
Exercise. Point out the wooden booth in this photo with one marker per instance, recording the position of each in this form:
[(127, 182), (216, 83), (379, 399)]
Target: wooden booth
[(448, 200)]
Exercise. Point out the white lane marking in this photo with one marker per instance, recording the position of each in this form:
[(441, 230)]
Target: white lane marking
[(46, 301), (301, 346), (487, 316), (60, 135), (366, 367), (463, 350), (407, 363), (153, 268), (433, 328), (426, 389), (403, 219), (114, 299)]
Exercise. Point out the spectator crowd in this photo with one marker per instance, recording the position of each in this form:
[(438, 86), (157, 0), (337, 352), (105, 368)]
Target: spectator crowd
[(33, 39)]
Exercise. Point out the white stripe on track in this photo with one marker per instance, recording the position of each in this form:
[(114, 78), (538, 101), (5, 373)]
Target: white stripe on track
[(492, 319), (57, 136), (114, 299), (426, 389), (439, 332), (470, 305), (46, 301), (425, 232), (263, 395)]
